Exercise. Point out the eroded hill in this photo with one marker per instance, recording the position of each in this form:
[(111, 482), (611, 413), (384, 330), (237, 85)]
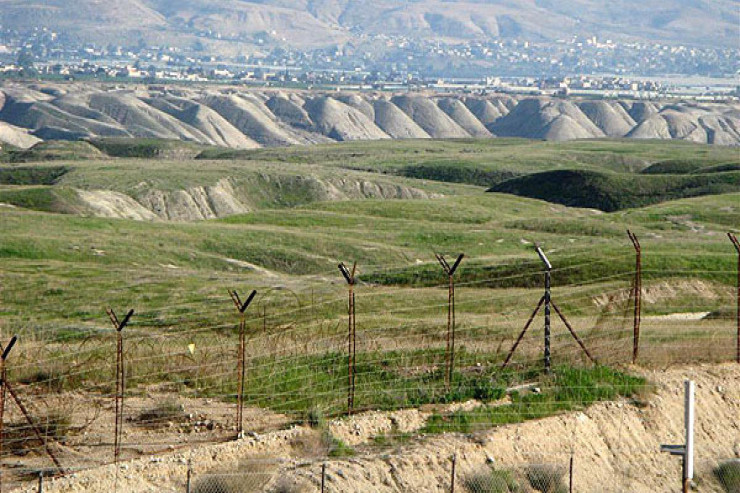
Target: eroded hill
[(244, 119)]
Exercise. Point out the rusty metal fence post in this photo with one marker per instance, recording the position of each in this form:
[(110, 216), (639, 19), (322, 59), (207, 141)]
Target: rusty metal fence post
[(120, 379), (349, 276), (241, 357), (570, 475), (3, 393), (735, 242), (636, 296), (189, 476), (450, 350), (453, 476)]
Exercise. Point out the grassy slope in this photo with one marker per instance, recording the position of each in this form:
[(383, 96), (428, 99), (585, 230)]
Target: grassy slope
[(61, 271), (611, 191), (488, 161), (392, 241), (388, 239)]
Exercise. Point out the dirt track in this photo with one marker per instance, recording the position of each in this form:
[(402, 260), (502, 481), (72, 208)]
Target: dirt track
[(615, 445)]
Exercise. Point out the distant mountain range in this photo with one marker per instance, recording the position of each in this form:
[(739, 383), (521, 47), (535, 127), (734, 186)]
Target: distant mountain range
[(327, 22)]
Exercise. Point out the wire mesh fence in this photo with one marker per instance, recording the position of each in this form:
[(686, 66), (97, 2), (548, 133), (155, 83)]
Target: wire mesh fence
[(296, 361), (538, 477)]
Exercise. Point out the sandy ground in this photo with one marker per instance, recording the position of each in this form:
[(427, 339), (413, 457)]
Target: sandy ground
[(615, 447)]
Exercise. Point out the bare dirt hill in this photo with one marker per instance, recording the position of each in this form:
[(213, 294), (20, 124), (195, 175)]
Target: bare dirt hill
[(18, 137), (244, 119), (457, 110), (542, 119), (610, 117), (340, 121), (428, 116), (395, 122)]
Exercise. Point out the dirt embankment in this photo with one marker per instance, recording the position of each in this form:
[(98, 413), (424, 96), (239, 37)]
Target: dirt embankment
[(230, 196), (616, 447)]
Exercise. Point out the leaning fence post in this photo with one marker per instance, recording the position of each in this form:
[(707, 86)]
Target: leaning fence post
[(735, 242), (241, 357), (41, 482), (323, 477)]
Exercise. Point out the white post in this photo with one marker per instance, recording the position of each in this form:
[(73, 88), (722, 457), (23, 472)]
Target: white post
[(689, 457), (686, 451)]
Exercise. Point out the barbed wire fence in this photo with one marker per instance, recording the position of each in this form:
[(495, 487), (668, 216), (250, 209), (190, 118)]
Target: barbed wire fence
[(295, 368)]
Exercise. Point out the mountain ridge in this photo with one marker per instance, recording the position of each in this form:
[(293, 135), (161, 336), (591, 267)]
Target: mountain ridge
[(329, 22)]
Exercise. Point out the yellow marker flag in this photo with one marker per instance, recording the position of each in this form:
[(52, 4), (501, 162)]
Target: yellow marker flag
[(191, 348)]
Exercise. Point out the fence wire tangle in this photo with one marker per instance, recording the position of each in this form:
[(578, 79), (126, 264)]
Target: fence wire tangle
[(182, 385)]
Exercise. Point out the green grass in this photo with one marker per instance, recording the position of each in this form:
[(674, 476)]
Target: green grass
[(60, 272), (728, 475), (298, 384), (612, 192), (568, 389), (47, 199), (485, 161), (687, 166), (147, 148), (31, 175), (76, 259), (51, 151)]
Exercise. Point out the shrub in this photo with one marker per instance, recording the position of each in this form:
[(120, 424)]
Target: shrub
[(248, 477), (315, 418), (728, 475), (167, 411), (491, 481), (337, 448), (285, 485), (216, 484), (546, 478)]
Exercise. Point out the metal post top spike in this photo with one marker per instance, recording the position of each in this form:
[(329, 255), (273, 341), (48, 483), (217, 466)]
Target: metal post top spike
[(543, 257), (9, 347), (634, 240), (350, 278), (734, 241)]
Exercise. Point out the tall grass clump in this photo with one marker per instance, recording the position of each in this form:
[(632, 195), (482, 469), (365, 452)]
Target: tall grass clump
[(492, 481), (728, 475)]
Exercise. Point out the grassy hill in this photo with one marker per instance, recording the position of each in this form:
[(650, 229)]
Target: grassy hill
[(486, 162), (611, 192)]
